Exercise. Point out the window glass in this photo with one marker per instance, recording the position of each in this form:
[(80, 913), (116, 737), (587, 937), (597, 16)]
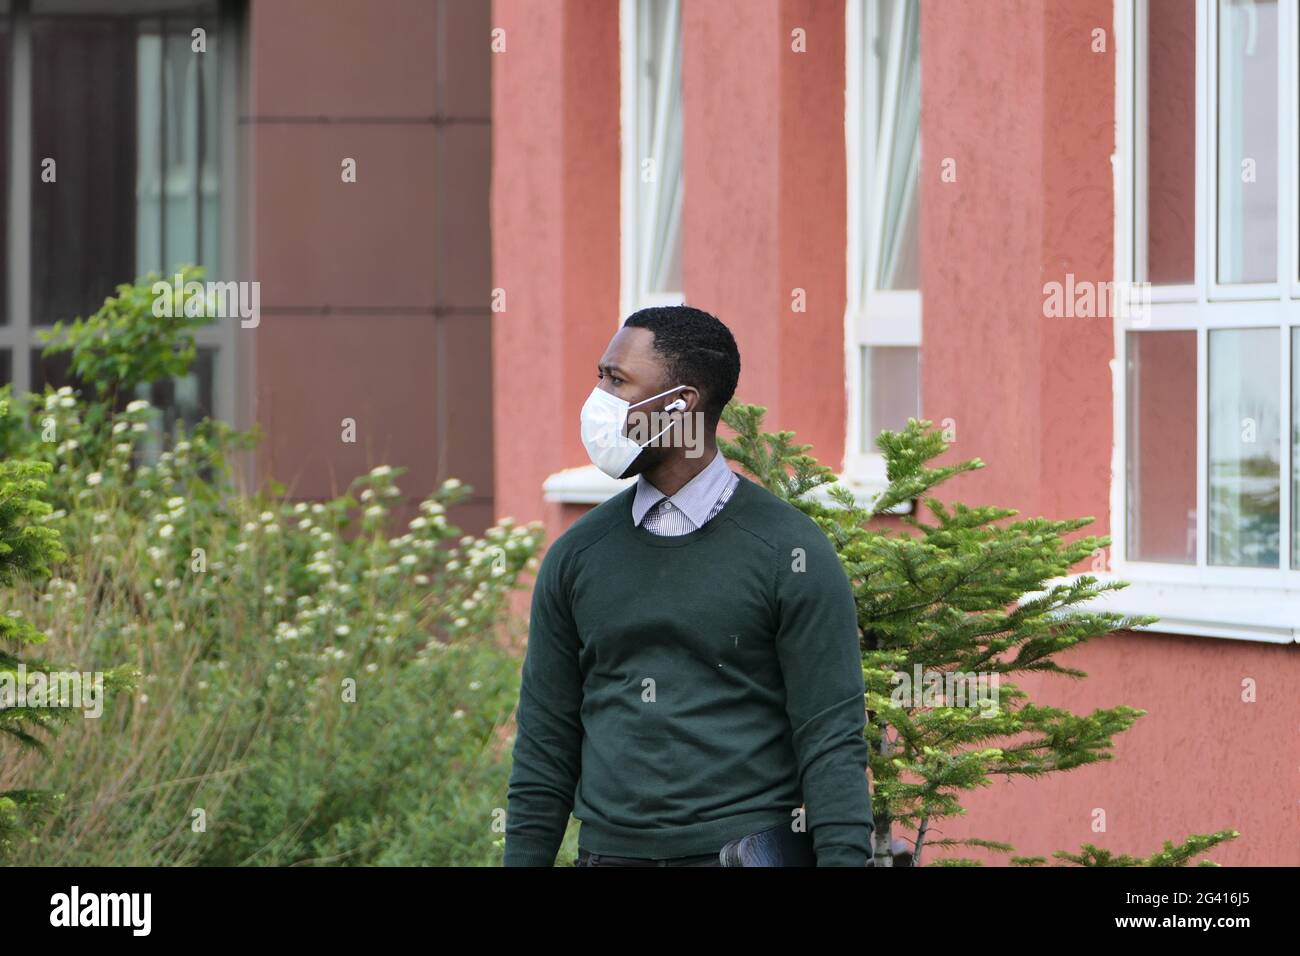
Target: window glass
[(659, 148), (5, 95), (1170, 169), (1247, 141), (1244, 447), (83, 163), (125, 129), (1161, 436), (893, 209), (891, 383), (177, 179)]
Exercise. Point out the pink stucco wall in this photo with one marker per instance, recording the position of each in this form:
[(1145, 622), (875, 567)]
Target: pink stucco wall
[(555, 214), (1013, 92), (765, 208), (1028, 115)]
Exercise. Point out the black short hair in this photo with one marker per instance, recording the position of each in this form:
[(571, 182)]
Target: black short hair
[(698, 350)]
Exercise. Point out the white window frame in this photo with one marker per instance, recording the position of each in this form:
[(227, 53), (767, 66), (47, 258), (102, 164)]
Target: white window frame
[(876, 318), (633, 232), (19, 335), (1260, 604)]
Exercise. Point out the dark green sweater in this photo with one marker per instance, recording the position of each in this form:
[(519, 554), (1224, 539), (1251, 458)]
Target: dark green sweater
[(682, 691)]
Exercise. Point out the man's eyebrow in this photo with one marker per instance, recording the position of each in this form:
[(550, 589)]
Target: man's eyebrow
[(609, 368)]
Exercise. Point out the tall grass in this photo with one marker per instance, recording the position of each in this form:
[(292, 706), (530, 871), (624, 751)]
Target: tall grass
[(312, 689)]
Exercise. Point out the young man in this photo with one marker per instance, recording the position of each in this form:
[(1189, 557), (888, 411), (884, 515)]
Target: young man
[(693, 672)]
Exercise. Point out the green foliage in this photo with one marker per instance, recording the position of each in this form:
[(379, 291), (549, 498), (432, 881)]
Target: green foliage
[(1171, 855), (312, 687), (322, 689), (28, 547), (141, 335), (965, 597)]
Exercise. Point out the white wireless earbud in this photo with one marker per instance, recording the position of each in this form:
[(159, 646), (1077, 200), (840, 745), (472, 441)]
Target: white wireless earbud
[(677, 406)]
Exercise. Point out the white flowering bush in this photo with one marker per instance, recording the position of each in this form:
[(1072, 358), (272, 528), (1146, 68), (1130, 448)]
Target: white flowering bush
[(318, 684)]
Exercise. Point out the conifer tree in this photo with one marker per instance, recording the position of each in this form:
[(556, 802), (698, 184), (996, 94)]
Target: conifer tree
[(961, 593), (27, 549)]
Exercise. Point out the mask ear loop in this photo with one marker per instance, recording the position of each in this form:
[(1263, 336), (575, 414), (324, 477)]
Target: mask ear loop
[(653, 397), (649, 441), (673, 406)]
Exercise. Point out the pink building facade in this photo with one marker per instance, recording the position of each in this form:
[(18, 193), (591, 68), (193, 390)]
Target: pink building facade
[(878, 198)]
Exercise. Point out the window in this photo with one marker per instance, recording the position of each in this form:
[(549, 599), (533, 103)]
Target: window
[(652, 154), (136, 123), (883, 324), (1209, 386)]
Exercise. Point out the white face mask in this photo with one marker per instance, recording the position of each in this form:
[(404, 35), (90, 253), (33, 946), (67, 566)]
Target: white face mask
[(604, 417)]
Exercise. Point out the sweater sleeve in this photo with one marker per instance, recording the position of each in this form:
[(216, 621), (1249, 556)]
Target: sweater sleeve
[(548, 738), (821, 662)]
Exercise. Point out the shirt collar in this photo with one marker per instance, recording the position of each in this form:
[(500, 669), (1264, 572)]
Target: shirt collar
[(695, 499)]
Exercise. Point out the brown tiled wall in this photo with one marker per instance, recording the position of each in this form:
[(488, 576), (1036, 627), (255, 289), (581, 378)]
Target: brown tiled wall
[(375, 294)]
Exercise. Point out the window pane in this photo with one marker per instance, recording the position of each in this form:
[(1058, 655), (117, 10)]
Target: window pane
[(1248, 140), (6, 367), (177, 180), (891, 392), (4, 164), (892, 207), (1170, 200), (187, 399), (659, 147), (56, 372), (148, 189), (1160, 513), (1244, 447), (83, 118)]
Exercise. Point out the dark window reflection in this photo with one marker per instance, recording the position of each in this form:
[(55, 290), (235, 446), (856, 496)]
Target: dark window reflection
[(83, 118), (187, 399), (4, 173)]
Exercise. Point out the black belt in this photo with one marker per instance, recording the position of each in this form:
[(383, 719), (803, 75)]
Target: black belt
[(586, 858)]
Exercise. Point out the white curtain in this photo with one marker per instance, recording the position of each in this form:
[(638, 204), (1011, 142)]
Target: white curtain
[(176, 175), (894, 100), (1248, 130), (659, 148)]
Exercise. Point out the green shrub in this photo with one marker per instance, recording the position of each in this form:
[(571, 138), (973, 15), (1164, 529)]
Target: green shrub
[(126, 343), (313, 688), (968, 592)]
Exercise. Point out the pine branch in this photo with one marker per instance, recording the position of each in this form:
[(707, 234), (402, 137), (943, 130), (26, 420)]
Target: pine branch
[(962, 590)]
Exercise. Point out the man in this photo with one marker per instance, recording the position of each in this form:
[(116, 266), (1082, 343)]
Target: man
[(693, 673)]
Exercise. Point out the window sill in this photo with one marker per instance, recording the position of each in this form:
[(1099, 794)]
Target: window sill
[(588, 485), (1202, 609)]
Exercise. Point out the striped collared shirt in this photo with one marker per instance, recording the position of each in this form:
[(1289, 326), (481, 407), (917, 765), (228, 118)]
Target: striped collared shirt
[(698, 500)]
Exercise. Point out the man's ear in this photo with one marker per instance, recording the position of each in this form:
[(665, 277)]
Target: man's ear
[(693, 398)]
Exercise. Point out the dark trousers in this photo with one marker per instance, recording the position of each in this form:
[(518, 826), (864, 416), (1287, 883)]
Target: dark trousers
[(599, 859), (774, 846)]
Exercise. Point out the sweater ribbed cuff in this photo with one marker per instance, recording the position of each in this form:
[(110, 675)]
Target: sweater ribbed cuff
[(521, 851), (842, 856)]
